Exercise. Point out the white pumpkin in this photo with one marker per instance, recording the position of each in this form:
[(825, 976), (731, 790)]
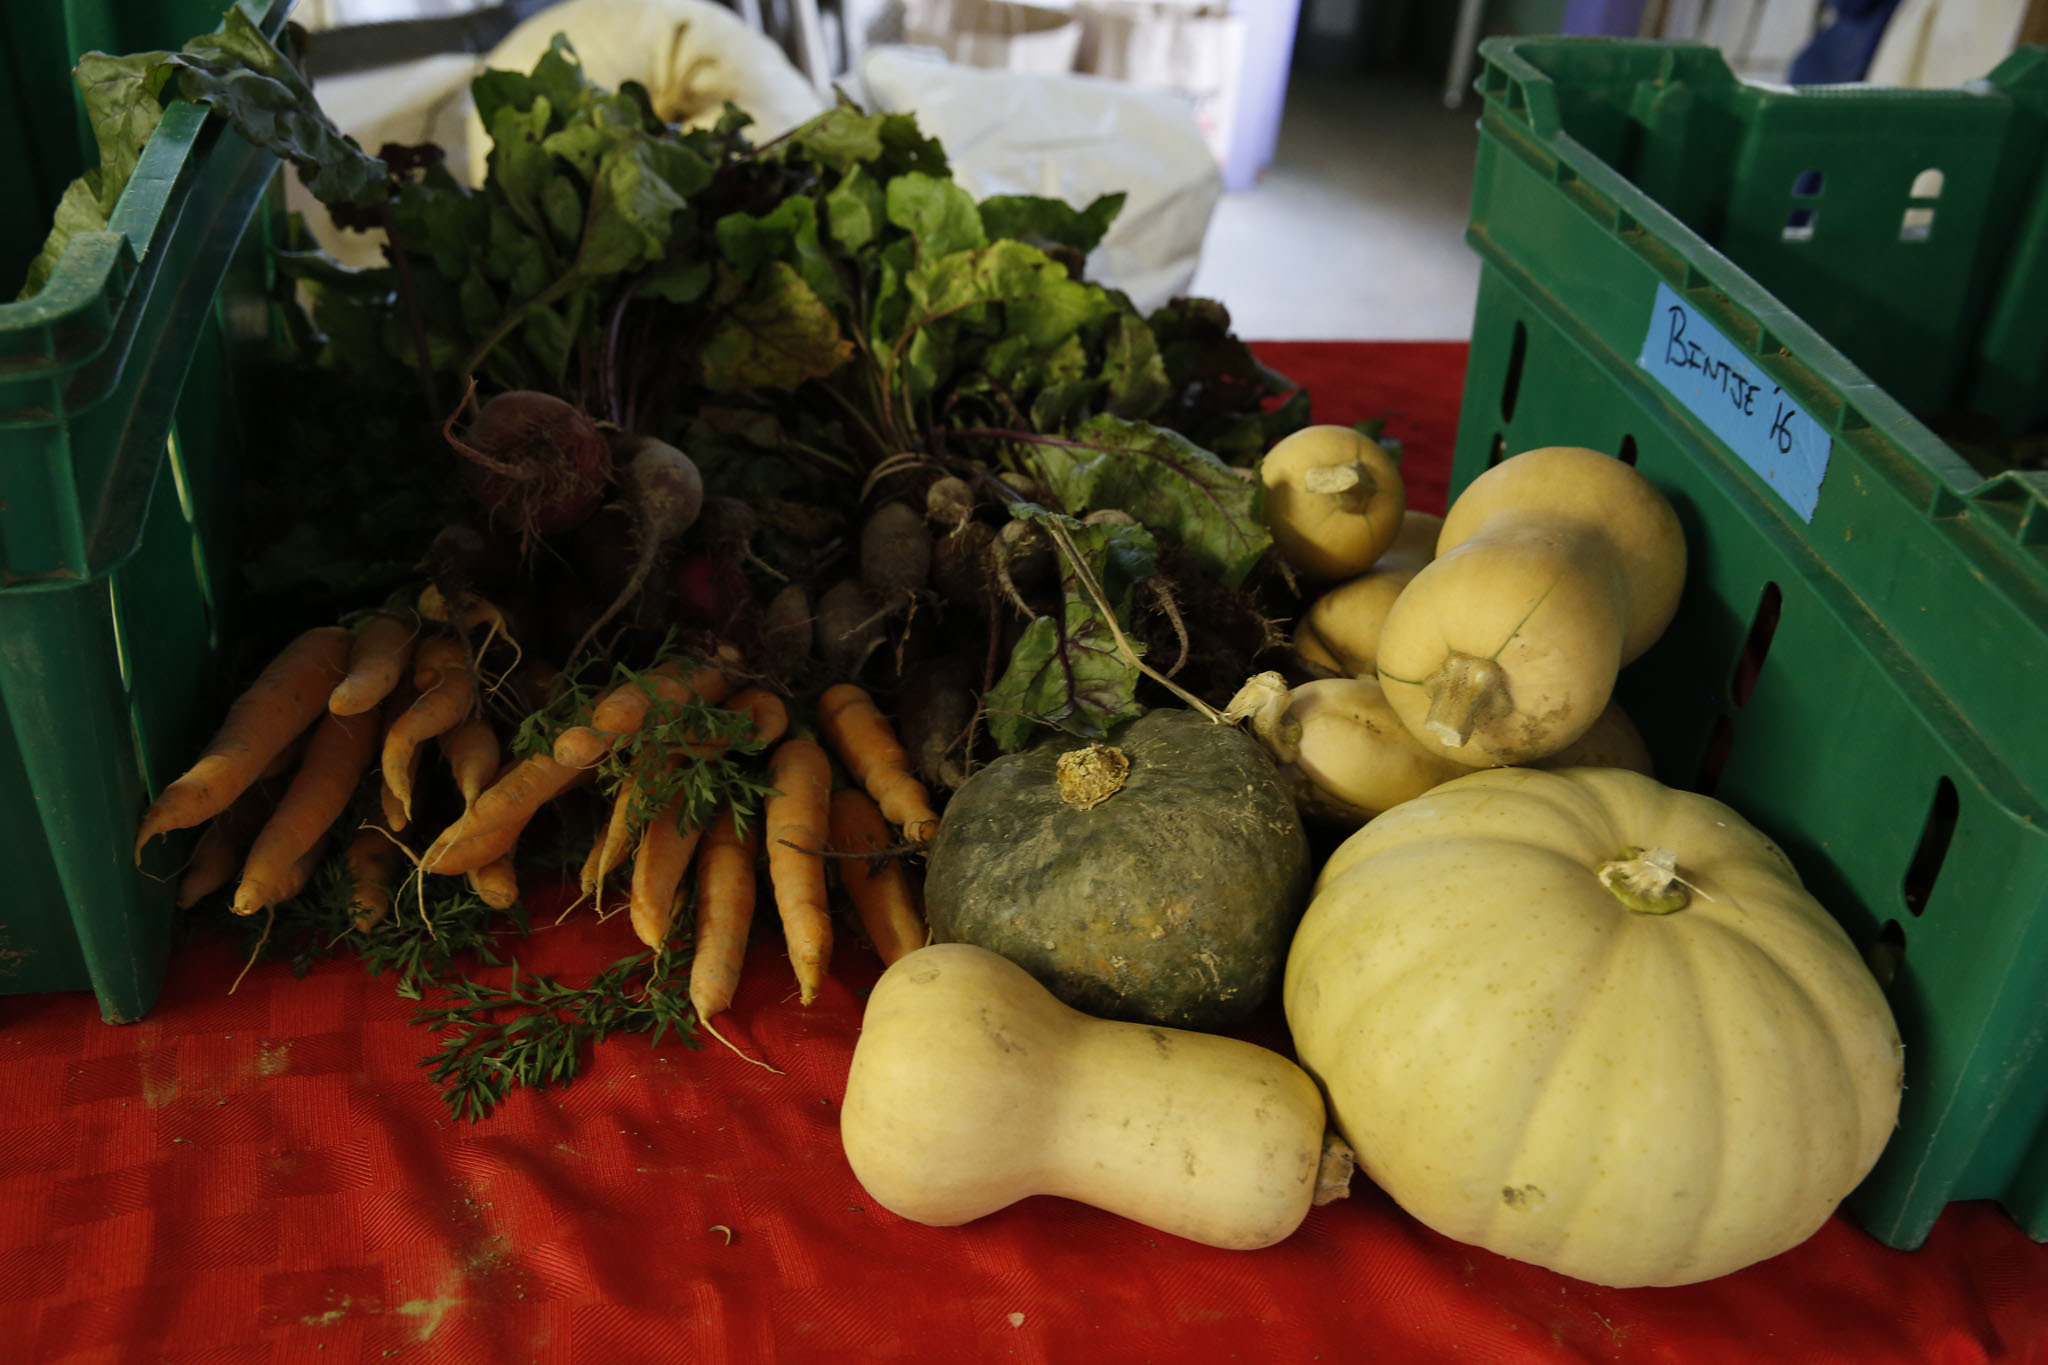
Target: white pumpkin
[(1635, 1070)]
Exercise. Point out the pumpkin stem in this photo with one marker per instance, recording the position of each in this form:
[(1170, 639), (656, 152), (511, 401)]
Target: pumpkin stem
[(1089, 776), (1464, 692), (1645, 880), (1350, 486)]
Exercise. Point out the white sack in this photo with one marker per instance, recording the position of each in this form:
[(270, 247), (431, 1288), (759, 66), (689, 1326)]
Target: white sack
[(1071, 138), (692, 55)]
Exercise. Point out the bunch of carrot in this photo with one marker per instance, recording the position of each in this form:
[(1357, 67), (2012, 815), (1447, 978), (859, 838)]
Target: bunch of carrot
[(280, 774), (802, 820), (337, 709)]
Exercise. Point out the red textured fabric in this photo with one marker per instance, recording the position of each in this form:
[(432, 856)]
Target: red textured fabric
[(268, 1176)]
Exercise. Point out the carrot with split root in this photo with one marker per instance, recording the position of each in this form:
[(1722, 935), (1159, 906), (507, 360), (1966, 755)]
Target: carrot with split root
[(375, 864), (725, 913), (377, 659), (491, 826), (862, 737), (796, 820), (289, 695), (337, 756), (887, 896), (447, 695), (624, 709)]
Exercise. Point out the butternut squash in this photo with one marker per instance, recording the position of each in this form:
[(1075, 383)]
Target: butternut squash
[(1340, 632), (1343, 753), (1612, 742), (1555, 567), (973, 1087)]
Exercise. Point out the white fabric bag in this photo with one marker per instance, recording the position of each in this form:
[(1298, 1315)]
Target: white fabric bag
[(1070, 138)]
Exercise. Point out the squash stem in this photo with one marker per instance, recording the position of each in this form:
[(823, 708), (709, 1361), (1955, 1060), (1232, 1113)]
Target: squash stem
[(1333, 1171), (1349, 486), (1645, 880), (1263, 700), (1464, 692)]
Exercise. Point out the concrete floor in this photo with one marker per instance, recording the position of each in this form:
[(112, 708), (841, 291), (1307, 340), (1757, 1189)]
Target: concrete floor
[(1356, 230)]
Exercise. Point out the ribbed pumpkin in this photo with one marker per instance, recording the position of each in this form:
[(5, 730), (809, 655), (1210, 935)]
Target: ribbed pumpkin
[(1168, 900), (1588, 1021)]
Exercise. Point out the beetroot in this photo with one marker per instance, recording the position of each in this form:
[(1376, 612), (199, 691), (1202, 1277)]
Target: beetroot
[(535, 463), (664, 494), (709, 593)]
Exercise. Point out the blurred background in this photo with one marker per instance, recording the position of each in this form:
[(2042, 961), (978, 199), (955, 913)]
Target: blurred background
[(1306, 162)]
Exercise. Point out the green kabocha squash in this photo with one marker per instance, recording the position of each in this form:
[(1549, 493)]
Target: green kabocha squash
[(1155, 878)]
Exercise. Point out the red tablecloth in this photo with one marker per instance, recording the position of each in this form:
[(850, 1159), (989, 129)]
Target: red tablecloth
[(268, 1176)]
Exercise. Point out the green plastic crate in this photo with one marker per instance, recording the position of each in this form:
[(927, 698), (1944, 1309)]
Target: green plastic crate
[(1756, 294), (117, 440)]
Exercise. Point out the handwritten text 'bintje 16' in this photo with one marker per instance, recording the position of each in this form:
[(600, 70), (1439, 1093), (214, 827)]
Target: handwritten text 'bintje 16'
[(1738, 387)]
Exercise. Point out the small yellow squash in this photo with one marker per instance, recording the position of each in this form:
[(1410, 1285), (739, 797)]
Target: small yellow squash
[(1594, 1023), (1554, 569), (1333, 501), (972, 1087), (1343, 753), (1340, 632)]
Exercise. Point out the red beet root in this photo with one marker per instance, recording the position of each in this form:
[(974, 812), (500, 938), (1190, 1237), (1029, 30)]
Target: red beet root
[(536, 464)]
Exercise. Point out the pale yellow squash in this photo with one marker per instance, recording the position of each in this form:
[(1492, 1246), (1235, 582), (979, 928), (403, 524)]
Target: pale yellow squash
[(972, 1087), (1554, 569), (1612, 742), (1334, 501), (1339, 747), (1594, 1023), (1340, 632)]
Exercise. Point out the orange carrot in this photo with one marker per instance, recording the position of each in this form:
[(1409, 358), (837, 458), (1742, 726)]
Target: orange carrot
[(487, 831), (496, 884), (884, 891), (376, 661), (300, 873), (447, 695), (797, 819), (471, 749), (622, 710), (289, 695), (395, 816), (768, 717), (659, 862), (218, 854), (436, 658), (861, 735), (476, 611), (620, 831), (336, 758), (374, 865), (591, 878), (725, 912)]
